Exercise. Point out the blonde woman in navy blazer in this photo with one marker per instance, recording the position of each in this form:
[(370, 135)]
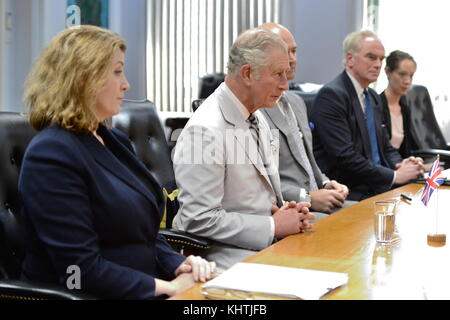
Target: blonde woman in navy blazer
[(88, 201)]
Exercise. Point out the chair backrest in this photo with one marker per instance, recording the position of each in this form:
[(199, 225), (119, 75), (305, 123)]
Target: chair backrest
[(308, 98), (15, 134), (209, 83), (295, 86), (139, 120), (425, 128), (175, 125), (196, 103)]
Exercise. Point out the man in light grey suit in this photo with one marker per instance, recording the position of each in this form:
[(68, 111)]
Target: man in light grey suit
[(225, 158), (301, 178)]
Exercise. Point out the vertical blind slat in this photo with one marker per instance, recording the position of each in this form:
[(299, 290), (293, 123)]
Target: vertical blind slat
[(188, 39)]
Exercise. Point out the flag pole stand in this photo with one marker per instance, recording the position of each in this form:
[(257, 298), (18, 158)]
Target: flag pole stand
[(435, 238)]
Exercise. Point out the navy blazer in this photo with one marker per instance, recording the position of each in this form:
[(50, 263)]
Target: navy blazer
[(95, 207), (342, 144)]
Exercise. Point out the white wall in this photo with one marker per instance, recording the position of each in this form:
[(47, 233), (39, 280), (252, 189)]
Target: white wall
[(319, 27), (35, 22), (8, 44), (422, 31), (128, 18), (2, 45)]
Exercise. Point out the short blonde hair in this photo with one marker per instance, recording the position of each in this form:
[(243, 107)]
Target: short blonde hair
[(66, 78)]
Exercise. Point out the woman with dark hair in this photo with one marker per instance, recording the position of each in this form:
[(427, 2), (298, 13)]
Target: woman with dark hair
[(400, 69)]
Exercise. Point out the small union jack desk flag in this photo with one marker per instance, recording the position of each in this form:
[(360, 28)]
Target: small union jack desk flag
[(434, 181)]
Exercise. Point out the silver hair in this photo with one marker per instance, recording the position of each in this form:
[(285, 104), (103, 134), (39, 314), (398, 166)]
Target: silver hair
[(352, 42), (251, 47)]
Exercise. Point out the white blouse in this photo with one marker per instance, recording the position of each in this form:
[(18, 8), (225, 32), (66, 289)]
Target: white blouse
[(397, 130)]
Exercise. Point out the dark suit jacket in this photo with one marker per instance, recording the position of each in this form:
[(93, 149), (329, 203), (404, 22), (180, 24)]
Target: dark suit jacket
[(409, 142), (95, 207), (341, 140)]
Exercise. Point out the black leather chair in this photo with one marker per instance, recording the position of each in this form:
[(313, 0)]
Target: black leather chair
[(196, 103), (295, 86), (175, 126), (209, 83), (425, 128), (15, 134), (140, 121)]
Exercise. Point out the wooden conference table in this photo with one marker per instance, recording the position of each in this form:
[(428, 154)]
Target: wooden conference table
[(344, 242)]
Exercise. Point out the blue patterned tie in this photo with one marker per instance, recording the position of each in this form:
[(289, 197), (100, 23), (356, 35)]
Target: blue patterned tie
[(372, 129)]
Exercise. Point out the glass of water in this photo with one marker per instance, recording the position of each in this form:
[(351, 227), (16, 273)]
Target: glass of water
[(384, 223)]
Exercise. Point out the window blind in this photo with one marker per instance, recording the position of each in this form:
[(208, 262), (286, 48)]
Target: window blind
[(187, 39)]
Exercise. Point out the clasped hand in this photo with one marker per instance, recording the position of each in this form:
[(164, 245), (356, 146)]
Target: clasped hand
[(409, 169), (329, 198), (292, 218), (201, 269), (190, 271)]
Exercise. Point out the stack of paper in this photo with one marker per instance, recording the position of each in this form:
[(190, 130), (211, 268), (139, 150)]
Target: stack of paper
[(278, 281)]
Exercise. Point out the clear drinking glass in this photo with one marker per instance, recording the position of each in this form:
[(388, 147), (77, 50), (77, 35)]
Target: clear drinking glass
[(384, 223)]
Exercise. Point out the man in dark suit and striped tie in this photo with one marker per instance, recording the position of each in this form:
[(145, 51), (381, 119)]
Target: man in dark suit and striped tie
[(350, 138)]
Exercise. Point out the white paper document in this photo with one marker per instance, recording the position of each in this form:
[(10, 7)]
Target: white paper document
[(278, 281)]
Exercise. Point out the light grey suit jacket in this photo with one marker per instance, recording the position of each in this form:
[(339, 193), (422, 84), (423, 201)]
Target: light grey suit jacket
[(226, 193), (292, 173)]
